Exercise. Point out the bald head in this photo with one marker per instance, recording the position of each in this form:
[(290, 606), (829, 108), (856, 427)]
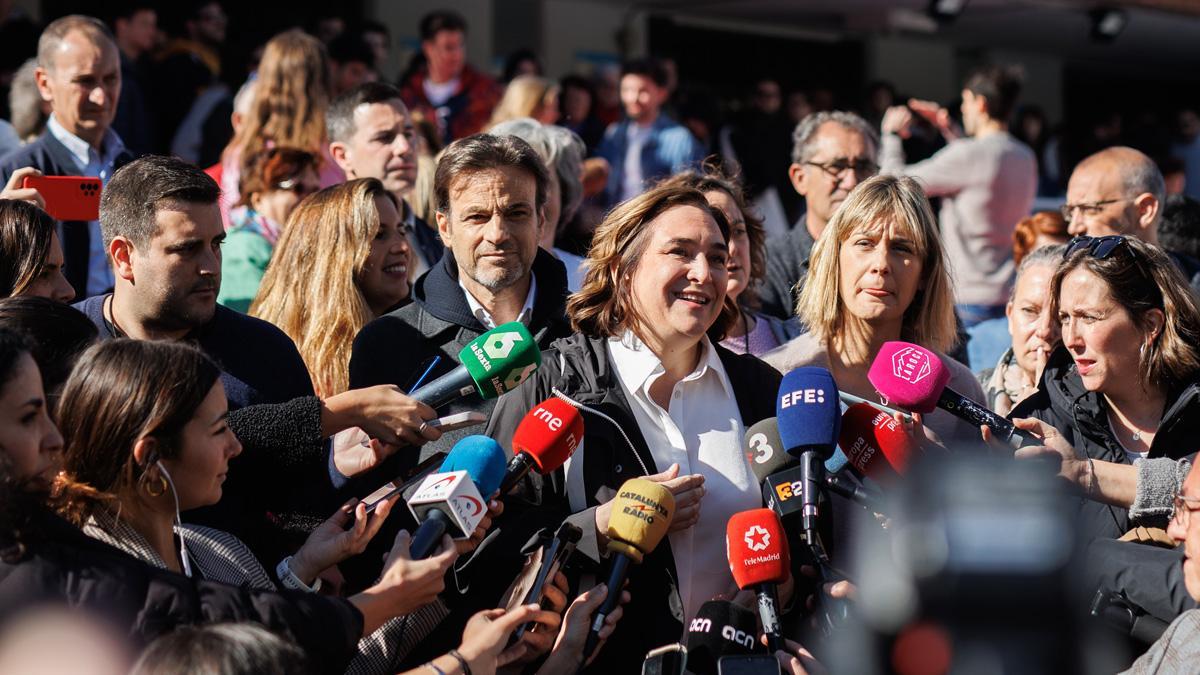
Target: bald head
[(1118, 190)]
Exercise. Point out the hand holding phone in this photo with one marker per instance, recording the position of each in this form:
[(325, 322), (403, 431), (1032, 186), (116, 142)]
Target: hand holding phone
[(68, 197)]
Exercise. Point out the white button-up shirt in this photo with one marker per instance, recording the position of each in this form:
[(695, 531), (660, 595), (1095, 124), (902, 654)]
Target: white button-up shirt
[(485, 317), (701, 430), (97, 165)]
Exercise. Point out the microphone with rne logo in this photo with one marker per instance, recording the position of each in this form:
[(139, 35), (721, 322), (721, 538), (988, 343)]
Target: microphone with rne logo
[(491, 364), (876, 445), (720, 628), (809, 418), (915, 378), (544, 440), (757, 549), (454, 499), (639, 518)]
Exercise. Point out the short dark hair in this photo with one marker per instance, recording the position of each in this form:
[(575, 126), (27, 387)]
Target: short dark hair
[(137, 191), (57, 333), (440, 20), (339, 118), (651, 68), (25, 235), (999, 86), (486, 151), (1179, 229), (350, 47), (127, 9), (226, 648)]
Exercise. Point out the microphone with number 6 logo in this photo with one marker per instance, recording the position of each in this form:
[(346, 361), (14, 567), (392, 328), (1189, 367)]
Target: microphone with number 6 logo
[(454, 499), (492, 364)]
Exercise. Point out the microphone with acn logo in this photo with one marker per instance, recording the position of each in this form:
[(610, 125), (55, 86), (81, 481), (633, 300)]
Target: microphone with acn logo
[(640, 515), (809, 418), (454, 499), (544, 439), (757, 549), (915, 378), (720, 628), (491, 364)]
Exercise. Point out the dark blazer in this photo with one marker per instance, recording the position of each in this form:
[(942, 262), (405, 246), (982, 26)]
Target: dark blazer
[(52, 158)]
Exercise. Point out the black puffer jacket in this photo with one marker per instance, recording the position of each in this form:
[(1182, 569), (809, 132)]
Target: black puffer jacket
[(615, 451), (1081, 417)]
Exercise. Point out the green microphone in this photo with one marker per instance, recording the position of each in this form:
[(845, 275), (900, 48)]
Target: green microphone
[(492, 364)]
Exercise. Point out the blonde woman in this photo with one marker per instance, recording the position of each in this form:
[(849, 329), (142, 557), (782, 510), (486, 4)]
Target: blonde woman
[(878, 273), (528, 96), (290, 98), (341, 262)]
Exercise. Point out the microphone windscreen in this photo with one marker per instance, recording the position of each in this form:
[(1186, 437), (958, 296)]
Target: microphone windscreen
[(877, 446), (549, 433), (720, 628), (640, 516), (837, 461), (763, 449), (501, 358), (909, 376), (757, 548), (808, 411), (482, 458)]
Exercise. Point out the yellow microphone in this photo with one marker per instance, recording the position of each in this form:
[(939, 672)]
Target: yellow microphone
[(639, 519)]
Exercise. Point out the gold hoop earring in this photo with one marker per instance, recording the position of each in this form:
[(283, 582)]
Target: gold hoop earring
[(162, 487)]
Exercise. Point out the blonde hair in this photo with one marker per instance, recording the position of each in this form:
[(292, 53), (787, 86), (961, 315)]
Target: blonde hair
[(310, 290), (929, 321), (603, 306), (290, 97), (522, 98)]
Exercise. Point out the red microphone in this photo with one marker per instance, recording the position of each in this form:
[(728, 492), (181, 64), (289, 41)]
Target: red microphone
[(876, 445), (544, 440), (756, 546)]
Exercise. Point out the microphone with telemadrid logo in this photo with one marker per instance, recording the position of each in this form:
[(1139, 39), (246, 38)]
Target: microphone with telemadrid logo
[(454, 499), (544, 440), (757, 549), (491, 364), (720, 628), (640, 515), (915, 378), (876, 445), (809, 418)]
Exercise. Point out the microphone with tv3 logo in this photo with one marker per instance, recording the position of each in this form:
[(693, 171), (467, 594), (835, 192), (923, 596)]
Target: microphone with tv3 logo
[(544, 440), (720, 628), (913, 377), (757, 549), (809, 418), (454, 499), (491, 364), (875, 444)]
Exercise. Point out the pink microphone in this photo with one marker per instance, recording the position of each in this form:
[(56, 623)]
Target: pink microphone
[(913, 377)]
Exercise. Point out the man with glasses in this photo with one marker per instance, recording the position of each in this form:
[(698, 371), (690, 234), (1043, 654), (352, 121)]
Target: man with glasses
[(1120, 190), (987, 183), (831, 153)]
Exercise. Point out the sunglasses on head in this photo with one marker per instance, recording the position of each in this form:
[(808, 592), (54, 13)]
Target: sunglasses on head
[(1098, 247)]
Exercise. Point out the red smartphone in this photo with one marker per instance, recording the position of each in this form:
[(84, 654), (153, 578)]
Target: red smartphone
[(68, 197)]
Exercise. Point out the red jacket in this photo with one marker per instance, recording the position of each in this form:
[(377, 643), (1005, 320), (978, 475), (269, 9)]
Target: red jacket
[(465, 113)]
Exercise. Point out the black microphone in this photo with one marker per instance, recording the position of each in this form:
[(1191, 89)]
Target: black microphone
[(719, 629)]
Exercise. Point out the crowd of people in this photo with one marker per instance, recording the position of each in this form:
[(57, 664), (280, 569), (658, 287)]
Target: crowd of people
[(200, 387)]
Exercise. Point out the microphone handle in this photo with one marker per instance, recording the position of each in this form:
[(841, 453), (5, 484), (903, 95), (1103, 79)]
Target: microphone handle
[(768, 612), (616, 583), (965, 409), (454, 384), (859, 495), (428, 535), (812, 470), (518, 466)]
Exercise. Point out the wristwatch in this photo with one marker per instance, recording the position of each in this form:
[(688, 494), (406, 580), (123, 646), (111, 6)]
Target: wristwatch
[(289, 580)]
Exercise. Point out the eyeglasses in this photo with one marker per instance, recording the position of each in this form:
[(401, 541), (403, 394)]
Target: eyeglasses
[(296, 186), (837, 168), (1086, 209), (1183, 510)]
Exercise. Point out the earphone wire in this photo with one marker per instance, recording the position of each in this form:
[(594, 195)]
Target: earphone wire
[(183, 552)]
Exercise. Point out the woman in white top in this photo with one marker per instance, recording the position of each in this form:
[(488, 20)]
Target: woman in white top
[(878, 273)]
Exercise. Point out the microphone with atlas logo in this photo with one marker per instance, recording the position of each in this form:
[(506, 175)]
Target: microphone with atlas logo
[(492, 364), (454, 499)]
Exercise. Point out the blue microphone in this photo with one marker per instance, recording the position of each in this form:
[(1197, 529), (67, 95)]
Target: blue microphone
[(448, 501), (809, 419)]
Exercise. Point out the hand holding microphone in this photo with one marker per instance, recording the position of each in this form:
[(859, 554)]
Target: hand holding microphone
[(452, 500)]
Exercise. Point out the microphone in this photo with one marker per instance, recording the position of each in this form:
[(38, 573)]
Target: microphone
[(641, 513), (915, 378), (720, 628), (780, 474), (454, 499), (491, 364), (544, 439), (756, 546), (875, 444), (809, 419)]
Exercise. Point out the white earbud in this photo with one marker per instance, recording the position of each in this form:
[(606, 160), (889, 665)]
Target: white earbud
[(183, 552)]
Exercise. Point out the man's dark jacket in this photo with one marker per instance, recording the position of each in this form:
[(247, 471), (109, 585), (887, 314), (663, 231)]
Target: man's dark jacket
[(787, 264), (52, 158)]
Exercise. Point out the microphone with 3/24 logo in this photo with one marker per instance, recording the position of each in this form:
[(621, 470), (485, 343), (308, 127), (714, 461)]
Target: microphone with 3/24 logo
[(758, 558), (491, 364), (455, 498), (720, 628)]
